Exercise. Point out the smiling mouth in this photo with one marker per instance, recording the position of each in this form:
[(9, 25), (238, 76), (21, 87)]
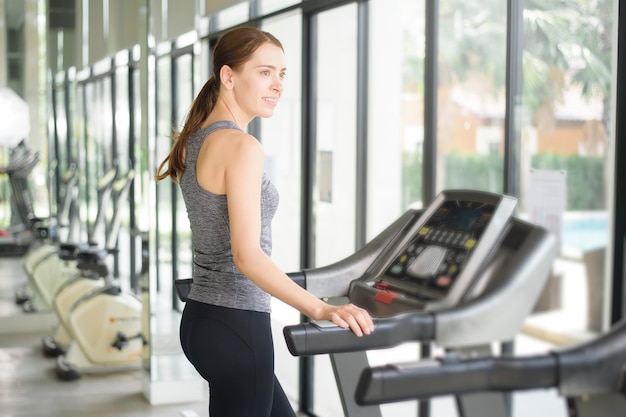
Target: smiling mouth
[(270, 100)]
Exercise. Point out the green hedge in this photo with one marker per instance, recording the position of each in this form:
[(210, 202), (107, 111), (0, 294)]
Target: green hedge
[(474, 172), (585, 175)]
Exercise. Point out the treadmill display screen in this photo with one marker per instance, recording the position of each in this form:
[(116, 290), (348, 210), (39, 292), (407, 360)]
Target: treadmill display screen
[(432, 259), (460, 218)]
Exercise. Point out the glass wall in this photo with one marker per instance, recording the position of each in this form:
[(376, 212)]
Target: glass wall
[(184, 87), (280, 136), (396, 110), (268, 6), (81, 159), (568, 85), (126, 266), (102, 143), (334, 192), (395, 126), (99, 148), (471, 94), (164, 189), (59, 149), (176, 86)]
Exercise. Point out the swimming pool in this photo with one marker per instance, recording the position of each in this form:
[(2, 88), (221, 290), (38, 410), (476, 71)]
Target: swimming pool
[(585, 231)]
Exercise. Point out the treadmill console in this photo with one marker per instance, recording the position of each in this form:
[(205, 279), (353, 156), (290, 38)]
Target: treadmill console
[(439, 258)]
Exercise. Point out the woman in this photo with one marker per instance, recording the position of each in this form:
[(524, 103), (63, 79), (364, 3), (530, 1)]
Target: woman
[(225, 328)]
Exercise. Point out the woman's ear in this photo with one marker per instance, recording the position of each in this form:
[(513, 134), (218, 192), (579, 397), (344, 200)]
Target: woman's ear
[(226, 76)]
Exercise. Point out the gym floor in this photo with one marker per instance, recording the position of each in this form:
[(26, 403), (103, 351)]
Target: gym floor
[(28, 383), (29, 386)]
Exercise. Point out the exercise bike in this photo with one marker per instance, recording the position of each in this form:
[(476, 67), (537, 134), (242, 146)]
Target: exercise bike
[(99, 323), (46, 248), (91, 273), (52, 265)]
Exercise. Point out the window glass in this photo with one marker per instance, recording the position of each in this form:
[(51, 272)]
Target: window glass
[(81, 151), (59, 153), (71, 233), (103, 123), (142, 168), (122, 118), (233, 15), (61, 128), (123, 142), (395, 133), (98, 150), (334, 190), (396, 110), (184, 86), (471, 94), (281, 138), (268, 6), (163, 94), (567, 133)]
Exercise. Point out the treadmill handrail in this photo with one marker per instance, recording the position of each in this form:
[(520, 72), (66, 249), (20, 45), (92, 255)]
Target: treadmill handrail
[(325, 337), (437, 377), (594, 367)]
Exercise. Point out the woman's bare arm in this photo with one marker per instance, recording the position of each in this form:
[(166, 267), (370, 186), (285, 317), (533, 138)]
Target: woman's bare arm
[(243, 188)]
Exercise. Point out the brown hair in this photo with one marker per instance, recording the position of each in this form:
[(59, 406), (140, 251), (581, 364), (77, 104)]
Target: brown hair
[(234, 48)]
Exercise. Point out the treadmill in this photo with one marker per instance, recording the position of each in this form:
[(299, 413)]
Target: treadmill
[(461, 274), (591, 377)]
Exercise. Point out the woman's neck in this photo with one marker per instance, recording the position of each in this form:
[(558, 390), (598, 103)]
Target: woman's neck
[(228, 110)]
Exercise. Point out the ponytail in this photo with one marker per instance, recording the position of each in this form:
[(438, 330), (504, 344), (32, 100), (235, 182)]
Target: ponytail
[(234, 49), (174, 164)]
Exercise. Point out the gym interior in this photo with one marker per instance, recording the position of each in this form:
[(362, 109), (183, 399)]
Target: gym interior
[(498, 119)]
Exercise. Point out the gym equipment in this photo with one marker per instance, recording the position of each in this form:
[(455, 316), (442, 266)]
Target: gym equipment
[(49, 247), (91, 273), (31, 228), (591, 377), (462, 274), (105, 326), (49, 266), (104, 322)]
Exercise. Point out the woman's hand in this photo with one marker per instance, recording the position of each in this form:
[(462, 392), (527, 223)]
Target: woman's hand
[(349, 315)]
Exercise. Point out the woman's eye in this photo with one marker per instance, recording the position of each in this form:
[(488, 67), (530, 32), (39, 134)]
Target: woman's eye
[(283, 75), (265, 72)]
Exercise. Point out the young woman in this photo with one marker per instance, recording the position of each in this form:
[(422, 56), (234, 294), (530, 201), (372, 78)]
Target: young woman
[(225, 329)]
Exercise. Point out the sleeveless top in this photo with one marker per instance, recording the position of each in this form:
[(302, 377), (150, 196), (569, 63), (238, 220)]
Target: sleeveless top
[(215, 279)]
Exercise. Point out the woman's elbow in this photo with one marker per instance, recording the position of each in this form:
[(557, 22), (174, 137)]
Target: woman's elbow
[(245, 260)]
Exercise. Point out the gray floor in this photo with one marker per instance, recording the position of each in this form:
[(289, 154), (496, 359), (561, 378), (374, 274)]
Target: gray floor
[(29, 386)]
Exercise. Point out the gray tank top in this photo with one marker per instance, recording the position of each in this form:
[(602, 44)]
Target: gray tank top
[(215, 279)]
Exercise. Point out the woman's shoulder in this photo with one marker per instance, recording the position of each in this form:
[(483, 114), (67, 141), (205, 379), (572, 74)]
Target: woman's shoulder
[(242, 141), (232, 146)]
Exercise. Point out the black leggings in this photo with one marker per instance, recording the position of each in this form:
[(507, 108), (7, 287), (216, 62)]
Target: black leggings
[(233, 350)]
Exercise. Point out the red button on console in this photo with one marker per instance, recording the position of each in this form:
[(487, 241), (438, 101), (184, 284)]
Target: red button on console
[(381, 286), (386, 296)]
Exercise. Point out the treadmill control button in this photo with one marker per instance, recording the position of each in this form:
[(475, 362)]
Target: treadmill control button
[(443, 281), (381, 286), (386, 297)]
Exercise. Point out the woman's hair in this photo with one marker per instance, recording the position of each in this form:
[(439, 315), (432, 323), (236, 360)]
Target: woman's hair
[(234, 48)]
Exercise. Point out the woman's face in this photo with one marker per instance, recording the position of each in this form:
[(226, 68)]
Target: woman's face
[(259, 84)]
